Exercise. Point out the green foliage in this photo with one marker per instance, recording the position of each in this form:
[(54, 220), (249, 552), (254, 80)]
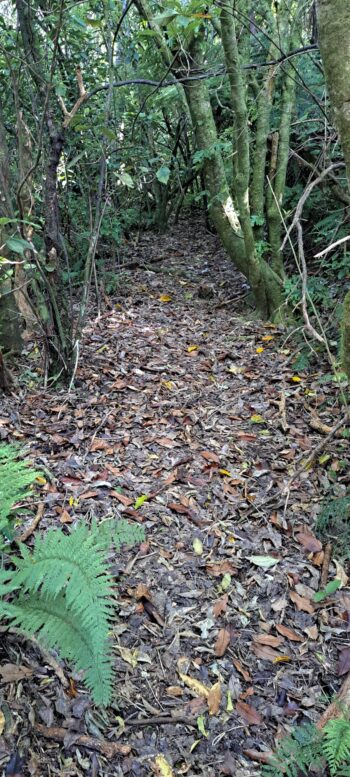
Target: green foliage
[(296, 752), (15, 478), (345, 336), (61, 591), (336, 744), (308, 746), (333, 523), (63, 595)]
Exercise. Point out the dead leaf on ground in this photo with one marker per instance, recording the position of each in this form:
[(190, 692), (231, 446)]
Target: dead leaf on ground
[(220, 605), (268, 639), (214, 699), (222, 642), (301, 603), (13, 673), (289, 633), (249, 713), (309, 542)]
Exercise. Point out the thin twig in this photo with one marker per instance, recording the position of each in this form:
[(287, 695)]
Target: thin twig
[(325, 564)]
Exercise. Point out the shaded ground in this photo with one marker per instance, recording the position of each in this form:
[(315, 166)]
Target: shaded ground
[(183, 396)]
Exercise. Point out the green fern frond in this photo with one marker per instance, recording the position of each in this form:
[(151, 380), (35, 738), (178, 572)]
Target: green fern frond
[(295, 753), (336, 744), (56, 626), (15, 477), (65, 596)]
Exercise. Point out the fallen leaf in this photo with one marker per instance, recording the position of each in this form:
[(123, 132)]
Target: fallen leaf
[(265, 652), (125, 500), (195, 685), (240, 668), (128, 655), (2, 722), (222, 642), (12, 673), (162, 768), (141, 500), (165, 298), (289, 633), (210, 456), (214, 699), (257, 419), (268, 639), (197, 546), (302, 603), (343, 666), (309, 542), (174, 691), (65, 517), (265, 562), (341, 574), (220, 605), (248, 713), (192, 348)]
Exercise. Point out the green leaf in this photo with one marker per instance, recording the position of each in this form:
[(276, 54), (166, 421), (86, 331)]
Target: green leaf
[(18, 245), (201, 725), (126, 180), (163, 174), (140, 501), (329, 589)]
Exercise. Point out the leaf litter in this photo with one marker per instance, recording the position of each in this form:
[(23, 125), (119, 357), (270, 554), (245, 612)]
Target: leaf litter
[(187, 416)]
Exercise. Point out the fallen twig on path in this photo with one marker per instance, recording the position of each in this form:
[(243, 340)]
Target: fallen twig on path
[(325, 564), (109, 749), (32, 526)]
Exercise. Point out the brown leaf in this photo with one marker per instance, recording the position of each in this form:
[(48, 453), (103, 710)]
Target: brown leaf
[(220, 605), (240, 668), (214, 699), (222, 642), (174, 691), (268, 639), (289, 633), (248, 713), (65, 517), (302, 603), (265, 652), (343, 662), (125, 500), (177, 507), (101, 445), (210, 456), (311, 631), (309, 542), (221, 568), (12, 673)]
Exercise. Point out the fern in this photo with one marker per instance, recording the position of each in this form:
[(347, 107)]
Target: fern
[(63, 595), (295, 753), (307, 746), (336, 744), (15, 477)]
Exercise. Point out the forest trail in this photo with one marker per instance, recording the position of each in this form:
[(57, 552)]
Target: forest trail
[(187, 416)]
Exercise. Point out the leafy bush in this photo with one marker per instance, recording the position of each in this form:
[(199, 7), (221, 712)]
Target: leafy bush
[(333, 523), (308, 746)]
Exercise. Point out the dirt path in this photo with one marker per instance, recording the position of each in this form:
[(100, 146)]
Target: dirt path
[(189, 402)]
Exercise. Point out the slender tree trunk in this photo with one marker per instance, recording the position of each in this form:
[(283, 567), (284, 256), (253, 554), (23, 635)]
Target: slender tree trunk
[(333, 20)]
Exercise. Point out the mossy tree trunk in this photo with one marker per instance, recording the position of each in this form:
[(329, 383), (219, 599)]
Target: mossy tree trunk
[(333, 20)]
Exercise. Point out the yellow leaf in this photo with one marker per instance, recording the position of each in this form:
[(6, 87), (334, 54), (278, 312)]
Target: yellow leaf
[(281, 660), (128, 655), (324, 458), (2, 722), (259, 350), (195, 744), (192, 348), (163, 769), (235, 370), (267, 338), (257, 419), (295, 379), (40, 480), (197, 546), (224, 472), (229, 704), (165, 298), (168, 384), (225, 582), (195, 685)]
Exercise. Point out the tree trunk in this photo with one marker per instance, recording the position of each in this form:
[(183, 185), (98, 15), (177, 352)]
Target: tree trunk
[(333, 20)]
